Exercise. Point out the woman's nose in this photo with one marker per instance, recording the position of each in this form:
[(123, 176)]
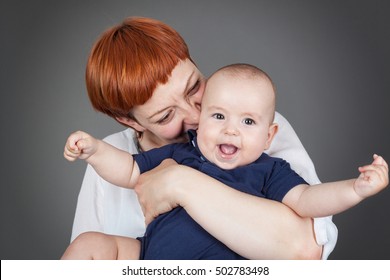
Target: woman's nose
[(191, 118), (192, 115)]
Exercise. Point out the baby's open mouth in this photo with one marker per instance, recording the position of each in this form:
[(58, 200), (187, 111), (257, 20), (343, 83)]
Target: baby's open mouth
[(228, 149)]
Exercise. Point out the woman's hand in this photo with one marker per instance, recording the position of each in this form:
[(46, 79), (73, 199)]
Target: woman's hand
[(154, 190)]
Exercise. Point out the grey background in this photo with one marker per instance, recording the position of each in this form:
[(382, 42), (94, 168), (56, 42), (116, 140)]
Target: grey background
[(329, 59)]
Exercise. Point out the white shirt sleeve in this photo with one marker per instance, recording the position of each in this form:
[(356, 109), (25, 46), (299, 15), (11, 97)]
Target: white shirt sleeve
[(104, 207), (287, 145)]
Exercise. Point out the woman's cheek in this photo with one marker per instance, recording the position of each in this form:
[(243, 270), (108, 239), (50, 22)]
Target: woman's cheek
[(173, 131)]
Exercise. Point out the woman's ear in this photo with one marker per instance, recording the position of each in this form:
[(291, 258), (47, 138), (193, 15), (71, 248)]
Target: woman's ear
[(272, 130), (131, 123)]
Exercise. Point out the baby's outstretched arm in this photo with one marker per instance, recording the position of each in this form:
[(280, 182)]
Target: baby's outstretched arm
[(373, 178), (113, 165), (332, 198)]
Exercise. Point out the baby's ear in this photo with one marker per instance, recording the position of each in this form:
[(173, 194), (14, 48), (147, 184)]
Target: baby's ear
[(272, 130)]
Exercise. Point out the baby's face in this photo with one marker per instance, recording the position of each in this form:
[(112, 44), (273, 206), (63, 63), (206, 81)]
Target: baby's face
[(235, 124)]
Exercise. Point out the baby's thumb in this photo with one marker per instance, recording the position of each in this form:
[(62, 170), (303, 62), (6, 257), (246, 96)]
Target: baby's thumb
[(81, 144), (378, 160)]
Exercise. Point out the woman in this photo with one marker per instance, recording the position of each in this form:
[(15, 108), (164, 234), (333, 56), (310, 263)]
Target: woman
[(141, 74)]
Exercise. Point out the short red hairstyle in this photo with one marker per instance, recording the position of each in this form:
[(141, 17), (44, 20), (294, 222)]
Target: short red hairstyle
[(128, 62)]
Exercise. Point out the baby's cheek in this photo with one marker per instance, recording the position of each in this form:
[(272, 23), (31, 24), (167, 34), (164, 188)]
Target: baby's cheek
[(255, 150)]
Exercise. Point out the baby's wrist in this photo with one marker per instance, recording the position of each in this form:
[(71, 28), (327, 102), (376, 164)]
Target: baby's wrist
[(357, 190)]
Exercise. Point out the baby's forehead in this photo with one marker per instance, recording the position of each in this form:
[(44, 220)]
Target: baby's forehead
[(225, 78), (253, 90)]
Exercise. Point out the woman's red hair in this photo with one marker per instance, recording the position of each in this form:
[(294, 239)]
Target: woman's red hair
[(128, 62)]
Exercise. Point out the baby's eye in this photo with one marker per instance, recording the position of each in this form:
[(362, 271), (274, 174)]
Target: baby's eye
[(218, 116), (248, 121)]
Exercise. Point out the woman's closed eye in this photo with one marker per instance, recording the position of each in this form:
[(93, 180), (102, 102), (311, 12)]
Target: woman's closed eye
[(166, 118), (195, 88)]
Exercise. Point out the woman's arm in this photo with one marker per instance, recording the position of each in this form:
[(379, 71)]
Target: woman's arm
[(253, 227)]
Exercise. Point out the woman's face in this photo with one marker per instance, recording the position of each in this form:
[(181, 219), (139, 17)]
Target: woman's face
[(173, 109)]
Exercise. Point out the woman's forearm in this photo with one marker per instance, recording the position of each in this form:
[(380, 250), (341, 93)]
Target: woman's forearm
[(253, 227)]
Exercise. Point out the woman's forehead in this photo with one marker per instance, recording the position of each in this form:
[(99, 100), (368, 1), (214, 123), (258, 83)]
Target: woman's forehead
[(165, 95)]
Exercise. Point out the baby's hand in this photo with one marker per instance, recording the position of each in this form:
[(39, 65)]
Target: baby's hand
[(373, 178), (79, 145)]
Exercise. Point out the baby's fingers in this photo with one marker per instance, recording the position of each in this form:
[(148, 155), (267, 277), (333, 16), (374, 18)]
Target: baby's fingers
[(378, 164), (375, 173), (73, 146), (71, 154), (378, 160), (380, 169)]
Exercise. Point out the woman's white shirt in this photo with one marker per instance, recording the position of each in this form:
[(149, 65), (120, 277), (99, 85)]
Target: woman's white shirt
[(106, 208)]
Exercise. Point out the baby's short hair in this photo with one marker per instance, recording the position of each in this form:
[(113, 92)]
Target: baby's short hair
[(244, 70)]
